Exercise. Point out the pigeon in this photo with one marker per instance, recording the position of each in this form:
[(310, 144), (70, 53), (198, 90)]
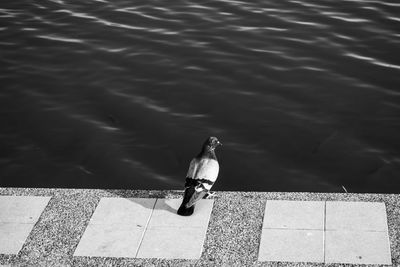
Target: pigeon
[(202, 174)]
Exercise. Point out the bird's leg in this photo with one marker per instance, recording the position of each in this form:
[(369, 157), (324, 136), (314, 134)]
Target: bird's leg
[(209, 194)]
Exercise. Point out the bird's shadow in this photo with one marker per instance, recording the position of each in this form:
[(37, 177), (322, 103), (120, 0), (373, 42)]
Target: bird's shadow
[(146, 204)]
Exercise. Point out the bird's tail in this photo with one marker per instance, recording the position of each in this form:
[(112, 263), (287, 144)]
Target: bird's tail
[(196, 196), (189, 200), (183, 209)]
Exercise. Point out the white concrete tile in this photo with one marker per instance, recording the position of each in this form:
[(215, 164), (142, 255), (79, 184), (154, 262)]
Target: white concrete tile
[(172, 243), (13, 236), (110, 240), (18, 214), (164, 214), (133, 211), (22, 209), (357, 247), (368, 216), (294, 214), (116, 227), (287, 245)]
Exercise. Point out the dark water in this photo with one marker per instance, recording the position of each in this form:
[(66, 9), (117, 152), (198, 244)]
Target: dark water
[(304, 94)]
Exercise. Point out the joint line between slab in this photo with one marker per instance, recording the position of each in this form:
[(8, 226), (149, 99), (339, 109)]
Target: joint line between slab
[(265, 213), (324, 233), (145, 228)]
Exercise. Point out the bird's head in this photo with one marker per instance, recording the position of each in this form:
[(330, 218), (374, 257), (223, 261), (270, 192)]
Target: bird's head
[(211, 143)]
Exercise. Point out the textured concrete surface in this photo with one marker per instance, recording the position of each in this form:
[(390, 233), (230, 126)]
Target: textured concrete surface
[(233, 235)]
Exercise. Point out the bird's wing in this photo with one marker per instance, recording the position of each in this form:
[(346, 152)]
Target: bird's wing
[(207, 172), (192, 168), (196, 196)]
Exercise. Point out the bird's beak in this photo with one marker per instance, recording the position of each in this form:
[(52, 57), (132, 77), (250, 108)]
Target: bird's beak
[(219, 143)]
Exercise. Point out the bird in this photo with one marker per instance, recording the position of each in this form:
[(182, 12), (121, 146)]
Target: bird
[(202, 174)]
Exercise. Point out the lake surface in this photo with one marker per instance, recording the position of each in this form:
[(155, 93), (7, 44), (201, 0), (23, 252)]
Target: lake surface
[(303, 94)]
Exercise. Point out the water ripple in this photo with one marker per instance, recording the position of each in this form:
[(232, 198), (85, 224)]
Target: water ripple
[(147, 16), (115, 24), (60, 38), (372, 60)]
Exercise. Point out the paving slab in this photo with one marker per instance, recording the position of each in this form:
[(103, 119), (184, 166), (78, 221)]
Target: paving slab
[(110, 240), (21, 209), (123, 211), (294, 214), (116, 227), (173, 243), (286, 245), (359, 216), (164, 214), (13, 236), (357, 233), (357, 247), (293, 231), (170, 236), (146, 228), (18, 215)]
